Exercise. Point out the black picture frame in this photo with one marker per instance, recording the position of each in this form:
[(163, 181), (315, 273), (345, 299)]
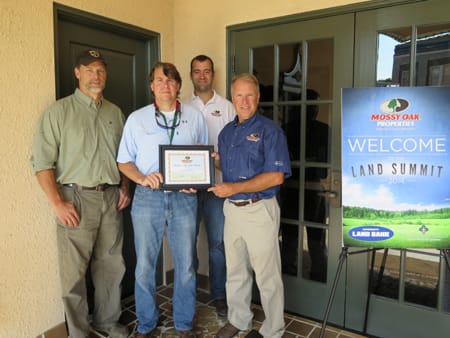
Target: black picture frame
[(186, 166)]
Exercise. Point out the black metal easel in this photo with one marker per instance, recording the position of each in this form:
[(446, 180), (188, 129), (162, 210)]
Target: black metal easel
[(342, 258)]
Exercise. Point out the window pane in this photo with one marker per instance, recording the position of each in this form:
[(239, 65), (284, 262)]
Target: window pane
[(263, 69), (393, 57), (315, 204), (320, 67), (421, 278), (289, 196), (290, 69), (385, 276), (291, 124), (315, 254), (289, 248), (433, 55), (317, 132)]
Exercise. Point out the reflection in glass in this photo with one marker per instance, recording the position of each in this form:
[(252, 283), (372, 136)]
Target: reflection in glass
[(290, 69), (446, 280), (421, 279), (317, 131), (289, 206), (320, 67), (385, 60), (291, 124), (386, 273), (263, 63), (315, 254), (289, 248), (433, 55), (315, 203), (432, 58), (289, 197)]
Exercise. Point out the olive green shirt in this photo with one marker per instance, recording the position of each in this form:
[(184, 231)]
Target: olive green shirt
[(79, 141)]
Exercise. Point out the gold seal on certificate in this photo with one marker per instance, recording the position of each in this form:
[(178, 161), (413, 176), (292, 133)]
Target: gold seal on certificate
[(185, 167)]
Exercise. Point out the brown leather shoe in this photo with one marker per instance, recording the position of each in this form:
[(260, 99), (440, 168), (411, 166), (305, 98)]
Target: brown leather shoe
[(254, 334), (144, 335), (186, 334), (227, 331)]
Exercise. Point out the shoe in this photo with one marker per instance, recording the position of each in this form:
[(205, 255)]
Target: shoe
[(186, 334), (144, 335), (254, 334), (221, 307), (227, 331), (117, 330)]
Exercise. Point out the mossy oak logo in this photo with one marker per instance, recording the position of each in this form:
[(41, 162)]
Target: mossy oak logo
[(395, 105), (186, 159), (253, 137), (393, 114), (94, 53)]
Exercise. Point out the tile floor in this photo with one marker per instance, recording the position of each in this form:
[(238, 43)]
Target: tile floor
[(207, 323)]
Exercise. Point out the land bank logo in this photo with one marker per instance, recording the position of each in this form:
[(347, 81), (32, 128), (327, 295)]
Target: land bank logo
[(371, 233), (394, 114)]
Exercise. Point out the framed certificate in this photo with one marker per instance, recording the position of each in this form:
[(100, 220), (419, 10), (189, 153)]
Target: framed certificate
[(185, 167)]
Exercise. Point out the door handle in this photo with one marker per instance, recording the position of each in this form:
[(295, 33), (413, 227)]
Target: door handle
[(328, 194), (333, 189)]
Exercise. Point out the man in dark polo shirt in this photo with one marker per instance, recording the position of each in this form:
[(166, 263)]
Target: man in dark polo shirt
[(74, 158), (254, 160)]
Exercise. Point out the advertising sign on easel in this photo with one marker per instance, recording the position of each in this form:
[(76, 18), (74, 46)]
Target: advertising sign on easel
[(396, 167), (395, 171)]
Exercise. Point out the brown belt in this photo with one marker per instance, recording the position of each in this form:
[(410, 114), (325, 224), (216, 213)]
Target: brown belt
[(244, 203), (100, 187)]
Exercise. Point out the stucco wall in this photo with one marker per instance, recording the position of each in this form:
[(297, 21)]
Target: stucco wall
[(29, 285)]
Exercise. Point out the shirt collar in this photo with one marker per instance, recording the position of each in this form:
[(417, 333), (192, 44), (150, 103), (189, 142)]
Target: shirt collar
[(246, 122), (212, 100), (86, 99)]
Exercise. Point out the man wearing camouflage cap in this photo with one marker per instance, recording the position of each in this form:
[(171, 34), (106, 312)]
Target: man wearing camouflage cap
[(74, 158)]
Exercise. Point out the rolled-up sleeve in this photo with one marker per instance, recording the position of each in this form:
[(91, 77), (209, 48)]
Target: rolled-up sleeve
[(46, 140)]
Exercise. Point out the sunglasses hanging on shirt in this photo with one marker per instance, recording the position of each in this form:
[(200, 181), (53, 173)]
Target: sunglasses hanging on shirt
[(175, 122)]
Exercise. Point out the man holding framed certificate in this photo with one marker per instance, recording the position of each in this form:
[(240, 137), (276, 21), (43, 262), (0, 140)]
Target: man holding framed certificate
[(156, 211), (255, 161)]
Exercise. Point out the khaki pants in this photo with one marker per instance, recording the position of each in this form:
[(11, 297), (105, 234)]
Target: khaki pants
[(251, 244), (97, 241)]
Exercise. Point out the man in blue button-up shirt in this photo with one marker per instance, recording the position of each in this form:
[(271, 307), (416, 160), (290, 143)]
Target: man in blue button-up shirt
[(254, 160)]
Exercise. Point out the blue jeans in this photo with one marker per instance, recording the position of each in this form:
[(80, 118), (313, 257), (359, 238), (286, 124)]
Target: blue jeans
[(151, 212), (210, 207)]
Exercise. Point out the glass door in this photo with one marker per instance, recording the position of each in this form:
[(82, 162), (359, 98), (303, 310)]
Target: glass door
[(302, 67), (403, 46)]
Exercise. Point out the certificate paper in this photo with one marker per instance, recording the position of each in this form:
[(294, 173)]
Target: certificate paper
[(185, 167)]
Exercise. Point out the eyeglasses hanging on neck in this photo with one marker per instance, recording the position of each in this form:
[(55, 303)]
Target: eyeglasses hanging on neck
[(175, 122)]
